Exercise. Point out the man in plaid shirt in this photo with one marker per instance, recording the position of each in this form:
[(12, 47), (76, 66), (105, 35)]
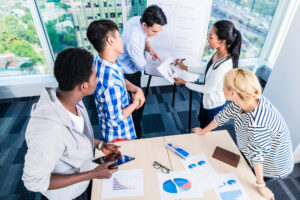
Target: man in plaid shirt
[(111, 96)]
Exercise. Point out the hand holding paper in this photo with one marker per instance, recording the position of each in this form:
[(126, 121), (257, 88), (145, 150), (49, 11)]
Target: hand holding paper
[(170, 72), (179, 81)]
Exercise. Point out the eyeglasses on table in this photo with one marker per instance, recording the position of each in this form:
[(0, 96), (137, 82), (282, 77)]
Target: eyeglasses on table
[(163, 169)]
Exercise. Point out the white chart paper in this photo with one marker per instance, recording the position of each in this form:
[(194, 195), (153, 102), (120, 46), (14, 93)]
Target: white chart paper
[(123, 183), (230, 188), (184, 35), (170, 72), (200, 166), (178, 185)]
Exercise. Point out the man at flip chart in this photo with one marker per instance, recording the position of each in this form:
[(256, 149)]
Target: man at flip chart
[(135, 41)]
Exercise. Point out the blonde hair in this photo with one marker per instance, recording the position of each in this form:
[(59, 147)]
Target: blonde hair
[(244, 82)]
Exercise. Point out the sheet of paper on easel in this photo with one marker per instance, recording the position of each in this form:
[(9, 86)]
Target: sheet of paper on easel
[(183, 36), (170, 72)]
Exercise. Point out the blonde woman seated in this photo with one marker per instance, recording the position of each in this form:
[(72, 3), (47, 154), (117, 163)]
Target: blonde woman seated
[(262, 134)]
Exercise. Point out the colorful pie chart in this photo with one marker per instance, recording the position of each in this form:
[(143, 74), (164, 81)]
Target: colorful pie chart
[(177, 185), (231, 182)]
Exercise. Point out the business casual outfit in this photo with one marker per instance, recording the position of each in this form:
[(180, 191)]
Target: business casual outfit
[(212, 98), (57, 143), (111, 97), (133, 60), (262, 136)]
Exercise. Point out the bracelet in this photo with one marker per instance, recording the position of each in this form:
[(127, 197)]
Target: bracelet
[(260, 184)]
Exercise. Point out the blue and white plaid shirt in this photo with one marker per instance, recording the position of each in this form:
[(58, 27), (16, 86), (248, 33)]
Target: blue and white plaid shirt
[(111, 97)]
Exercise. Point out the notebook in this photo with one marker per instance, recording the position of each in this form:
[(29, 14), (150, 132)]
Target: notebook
[(226, 156)]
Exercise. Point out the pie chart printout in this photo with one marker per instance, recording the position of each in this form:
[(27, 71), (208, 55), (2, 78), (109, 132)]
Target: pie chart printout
[(177, 185)]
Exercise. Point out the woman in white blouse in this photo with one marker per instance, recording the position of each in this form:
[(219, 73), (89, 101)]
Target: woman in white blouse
[(226, 39)]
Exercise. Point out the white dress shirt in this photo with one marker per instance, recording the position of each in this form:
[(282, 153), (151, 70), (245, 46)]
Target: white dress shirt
[(212, 90), (134, 39)]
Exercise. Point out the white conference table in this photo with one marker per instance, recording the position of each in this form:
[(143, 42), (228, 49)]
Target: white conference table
[(146, 151)]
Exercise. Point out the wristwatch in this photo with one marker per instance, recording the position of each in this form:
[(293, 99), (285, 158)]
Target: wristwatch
[(100, 145)]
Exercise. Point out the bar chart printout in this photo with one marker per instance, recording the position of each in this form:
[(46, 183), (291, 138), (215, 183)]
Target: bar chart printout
[(123, 183)]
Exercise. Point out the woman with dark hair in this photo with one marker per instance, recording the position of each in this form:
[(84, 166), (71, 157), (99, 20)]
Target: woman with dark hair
[(226, 39)]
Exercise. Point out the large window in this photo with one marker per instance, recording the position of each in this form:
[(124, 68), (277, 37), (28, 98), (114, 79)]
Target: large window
[(31, 35), (21, 52), (59, 24), (135, 7), (251, 17), (67, 21)]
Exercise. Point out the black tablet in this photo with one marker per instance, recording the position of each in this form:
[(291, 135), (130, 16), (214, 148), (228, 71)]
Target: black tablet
[(117, 158)]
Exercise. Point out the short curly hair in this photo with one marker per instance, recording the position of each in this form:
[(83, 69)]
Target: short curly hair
[(72, 67)]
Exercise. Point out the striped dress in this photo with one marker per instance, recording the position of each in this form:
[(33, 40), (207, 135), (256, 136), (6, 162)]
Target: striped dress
[(262, 136)]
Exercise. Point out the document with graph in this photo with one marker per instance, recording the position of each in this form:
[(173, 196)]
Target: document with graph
[(200, 165), (230, 188), (123, 183), (179, 185), (169, 72)]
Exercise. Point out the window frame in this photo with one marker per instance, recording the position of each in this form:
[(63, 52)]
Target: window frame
[(31, 85), (279, 27)]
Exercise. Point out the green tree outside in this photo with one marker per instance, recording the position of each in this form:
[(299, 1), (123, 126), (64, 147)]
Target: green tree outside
[(15, 38)]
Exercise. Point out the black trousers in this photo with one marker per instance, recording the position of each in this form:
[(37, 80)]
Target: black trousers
[(137, 115), (207, 115)]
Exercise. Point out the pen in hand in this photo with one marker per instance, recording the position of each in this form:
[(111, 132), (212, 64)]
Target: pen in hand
[(183, 59)]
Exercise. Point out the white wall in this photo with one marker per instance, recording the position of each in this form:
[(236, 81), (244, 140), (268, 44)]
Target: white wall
[(283, 86)]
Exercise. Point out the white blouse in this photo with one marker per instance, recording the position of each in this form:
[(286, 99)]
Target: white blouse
[(212, 90)]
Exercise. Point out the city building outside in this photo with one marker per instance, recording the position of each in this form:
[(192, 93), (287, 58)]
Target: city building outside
[(66, 22)]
